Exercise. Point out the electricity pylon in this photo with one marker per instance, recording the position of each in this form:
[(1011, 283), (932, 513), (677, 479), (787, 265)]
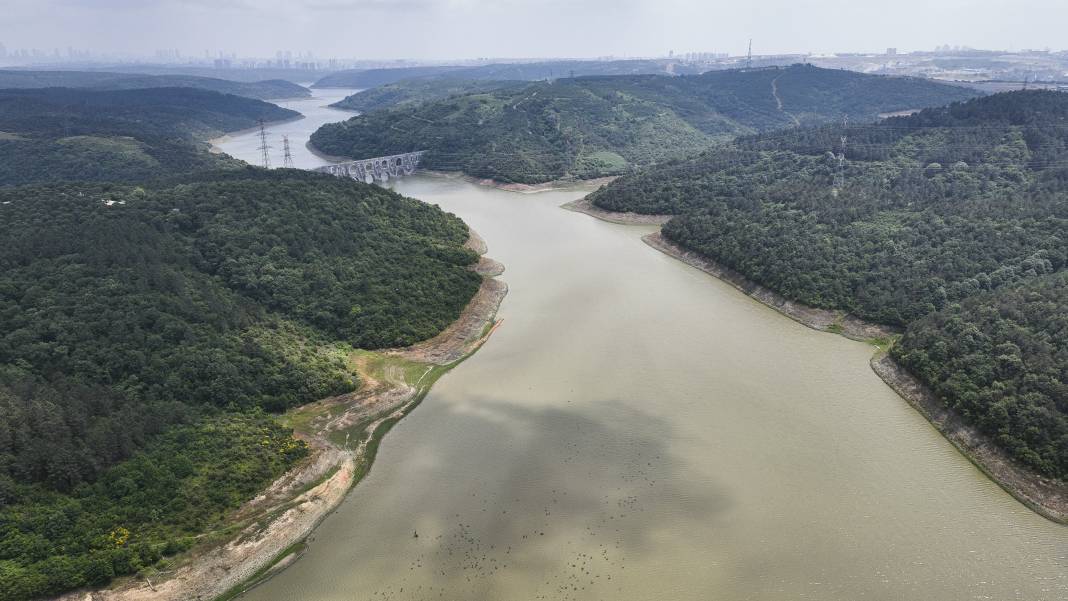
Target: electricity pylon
[(264, 147), (287, 160)]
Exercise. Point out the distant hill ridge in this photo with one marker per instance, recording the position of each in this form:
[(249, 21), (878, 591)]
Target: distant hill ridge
[(369, 78), (65, 134), (592, 126), (100, 80)]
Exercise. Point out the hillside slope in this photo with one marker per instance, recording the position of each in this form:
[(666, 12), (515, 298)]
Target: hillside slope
[(61, 134), (149, 327), (587, 127), (410, 92)]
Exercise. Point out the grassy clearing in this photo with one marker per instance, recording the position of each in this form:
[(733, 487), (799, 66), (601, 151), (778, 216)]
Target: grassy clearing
[(883, 343)]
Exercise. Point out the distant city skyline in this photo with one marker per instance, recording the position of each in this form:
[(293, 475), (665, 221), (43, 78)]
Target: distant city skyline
[(468, 29), (303, 59)]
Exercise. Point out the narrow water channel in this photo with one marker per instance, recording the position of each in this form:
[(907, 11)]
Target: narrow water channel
[(316, 110), (637, 429)]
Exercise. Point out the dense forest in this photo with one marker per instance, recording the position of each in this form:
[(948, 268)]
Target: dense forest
[(586, 127), (62, 134), (151, 322), (102, 80), (137, 320), (939, 221), (1000, 359), (410, 92)]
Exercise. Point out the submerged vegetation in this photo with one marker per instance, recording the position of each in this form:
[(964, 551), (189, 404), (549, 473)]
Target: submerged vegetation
[(949, 222), (585, 127)]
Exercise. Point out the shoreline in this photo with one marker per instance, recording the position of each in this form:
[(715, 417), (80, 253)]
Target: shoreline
[(583, 205), (1046, 497), (213, 146), (824, 320), (556, 184), (326, 157), (270, 532)]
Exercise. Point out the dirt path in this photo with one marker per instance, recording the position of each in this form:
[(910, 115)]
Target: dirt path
[(343, 434), (778, 100)]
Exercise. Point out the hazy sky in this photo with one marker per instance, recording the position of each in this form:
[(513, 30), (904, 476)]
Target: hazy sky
[(528, 28)]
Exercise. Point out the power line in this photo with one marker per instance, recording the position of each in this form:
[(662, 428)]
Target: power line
[(839, 176)]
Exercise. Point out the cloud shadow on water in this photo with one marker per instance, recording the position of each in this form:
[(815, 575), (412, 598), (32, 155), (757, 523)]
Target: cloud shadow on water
[(560, 497)]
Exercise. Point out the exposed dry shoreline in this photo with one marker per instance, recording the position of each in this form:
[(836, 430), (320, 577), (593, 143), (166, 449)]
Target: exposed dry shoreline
[(268, 532), (558, 184), (824, 320), (1044, 496), (326, 157), (583, 205)]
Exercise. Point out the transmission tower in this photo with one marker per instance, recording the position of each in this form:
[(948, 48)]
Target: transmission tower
[(264, 147), (749, 55), (287, 160), (839, 176)]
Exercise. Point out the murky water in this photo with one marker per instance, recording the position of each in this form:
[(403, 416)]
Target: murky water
[(639, 430)]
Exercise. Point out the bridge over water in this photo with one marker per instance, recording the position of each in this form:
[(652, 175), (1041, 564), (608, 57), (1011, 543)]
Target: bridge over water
[(378, 169)]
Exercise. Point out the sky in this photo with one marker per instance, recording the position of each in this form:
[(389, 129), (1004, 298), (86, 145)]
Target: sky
[(456, 29)]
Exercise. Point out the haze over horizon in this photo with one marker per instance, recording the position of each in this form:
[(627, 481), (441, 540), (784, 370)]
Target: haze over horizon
[(462, 29)]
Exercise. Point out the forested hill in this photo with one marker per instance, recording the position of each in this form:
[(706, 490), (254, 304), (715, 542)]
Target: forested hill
[(62, 134), (1000, 359), (144, 330), (100, 80), (587, 127), (410, 92), (944, 222), (369, 78), (157, 302)]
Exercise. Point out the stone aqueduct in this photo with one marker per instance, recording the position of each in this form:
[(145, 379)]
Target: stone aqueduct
[(376, 170)]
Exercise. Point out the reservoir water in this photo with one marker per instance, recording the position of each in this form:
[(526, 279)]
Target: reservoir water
[(316, 110), (638, 430)]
